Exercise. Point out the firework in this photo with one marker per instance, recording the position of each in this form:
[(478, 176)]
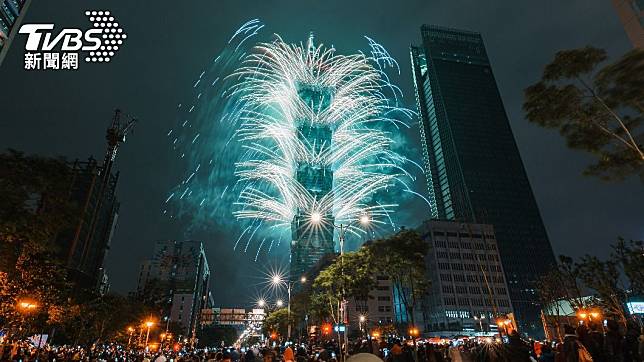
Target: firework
[(305, 107), (263, 118)]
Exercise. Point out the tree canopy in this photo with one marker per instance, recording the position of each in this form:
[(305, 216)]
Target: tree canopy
[(595, 107)]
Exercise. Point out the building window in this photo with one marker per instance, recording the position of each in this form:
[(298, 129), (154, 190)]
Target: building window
[(448, 289)]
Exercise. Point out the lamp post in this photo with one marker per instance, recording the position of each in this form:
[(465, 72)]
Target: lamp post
[(26, 307), (149, 324), (130, 331), (278, 280), (316, 218), (361, 320)]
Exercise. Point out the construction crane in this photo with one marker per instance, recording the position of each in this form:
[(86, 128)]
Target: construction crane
[(115, 136)]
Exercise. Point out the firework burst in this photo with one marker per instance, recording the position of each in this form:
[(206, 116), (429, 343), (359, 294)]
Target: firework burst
[(240, 146), (283, 89)]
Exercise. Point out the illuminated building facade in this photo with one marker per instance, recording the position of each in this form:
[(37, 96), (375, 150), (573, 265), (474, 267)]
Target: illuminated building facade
[(312, 240), (468, 288), (472, 164), (11, 14)]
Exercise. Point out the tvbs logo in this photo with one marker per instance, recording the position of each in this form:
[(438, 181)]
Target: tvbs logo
[(47, 48)]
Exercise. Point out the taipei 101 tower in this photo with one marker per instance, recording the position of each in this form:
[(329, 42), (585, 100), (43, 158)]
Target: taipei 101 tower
[(311, 242)]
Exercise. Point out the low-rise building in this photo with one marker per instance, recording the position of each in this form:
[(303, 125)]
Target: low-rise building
[(468, 287), (373, 311)]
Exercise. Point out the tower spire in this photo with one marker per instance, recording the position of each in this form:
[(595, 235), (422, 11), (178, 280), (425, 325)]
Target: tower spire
[(310, 44)]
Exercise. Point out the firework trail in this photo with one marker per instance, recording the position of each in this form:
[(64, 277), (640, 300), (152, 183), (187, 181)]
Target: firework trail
[(272, 113), (238, 138)]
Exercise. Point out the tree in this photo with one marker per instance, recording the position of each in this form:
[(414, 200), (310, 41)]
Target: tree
[(277, 321), (597, 109), (630, 256), (39, 276), (604, 278), (550, 293), (34, 208), (402, 258), (568, 279), (350, 275), (34, 202)]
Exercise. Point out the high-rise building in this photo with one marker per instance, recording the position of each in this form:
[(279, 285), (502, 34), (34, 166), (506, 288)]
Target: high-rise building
[(472, 164), (631, 14), (85, 245), (468, 288), (11, 14), (312, 240), (178, 273)]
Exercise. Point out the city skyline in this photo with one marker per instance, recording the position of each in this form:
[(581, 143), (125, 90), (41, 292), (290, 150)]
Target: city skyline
[(135, 156)]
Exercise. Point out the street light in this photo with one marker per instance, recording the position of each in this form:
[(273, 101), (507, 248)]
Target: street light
[(27, 306), (361, 320), (364, 219), (261, 303), (149, 324), (277, 280), (316, 217), (413, 331), (130, 331), (280, 303), (582, 314)]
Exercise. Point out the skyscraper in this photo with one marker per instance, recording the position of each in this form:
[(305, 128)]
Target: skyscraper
[(472, 164), (311, 241), (631, 14), (11, 14)]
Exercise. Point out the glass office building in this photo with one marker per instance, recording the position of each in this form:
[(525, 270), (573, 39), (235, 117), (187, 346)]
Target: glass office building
[(11, 14), (472, 163)]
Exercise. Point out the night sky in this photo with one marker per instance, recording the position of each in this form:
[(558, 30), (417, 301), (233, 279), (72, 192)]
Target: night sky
[(170, 42)]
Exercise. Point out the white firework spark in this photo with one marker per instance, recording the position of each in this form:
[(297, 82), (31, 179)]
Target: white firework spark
[(268, 111)]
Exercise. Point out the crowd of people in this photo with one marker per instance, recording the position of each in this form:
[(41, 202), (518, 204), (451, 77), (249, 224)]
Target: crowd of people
[(587, 342)]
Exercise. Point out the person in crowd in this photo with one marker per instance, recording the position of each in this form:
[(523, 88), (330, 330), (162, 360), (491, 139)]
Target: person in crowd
[(547, 354), (613, 342), (568, 350), (630, 343), (289, 356)]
